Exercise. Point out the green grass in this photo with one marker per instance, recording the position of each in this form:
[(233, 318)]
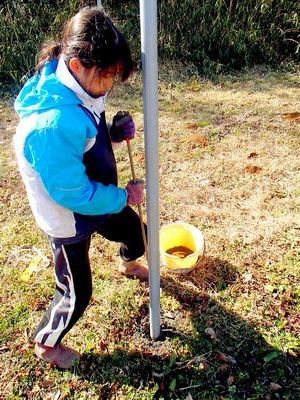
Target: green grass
[(229, 164)]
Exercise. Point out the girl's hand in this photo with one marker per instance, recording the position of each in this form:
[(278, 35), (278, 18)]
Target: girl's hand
[(122, 127), (135, 191)]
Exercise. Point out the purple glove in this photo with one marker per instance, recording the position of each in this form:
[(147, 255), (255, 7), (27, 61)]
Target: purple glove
[(135, 191), (122, 127)]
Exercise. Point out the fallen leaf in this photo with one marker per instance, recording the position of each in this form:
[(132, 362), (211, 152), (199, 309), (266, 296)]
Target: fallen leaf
[(195, 140), (210, 332), (252, 155), (294, 116), (103, 345), (221, 357), (223, 368), (47, 382), (247, 277), (225, 358), (274, 387), (25, 276), (191, 125), (253, 169), (204, 365)]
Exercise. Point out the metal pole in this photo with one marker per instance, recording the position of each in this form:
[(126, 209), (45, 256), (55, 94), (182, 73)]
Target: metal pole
[(99, 5), (148, 18)]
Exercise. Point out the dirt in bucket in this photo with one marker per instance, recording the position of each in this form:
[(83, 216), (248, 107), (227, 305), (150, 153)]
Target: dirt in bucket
[(180, 251)]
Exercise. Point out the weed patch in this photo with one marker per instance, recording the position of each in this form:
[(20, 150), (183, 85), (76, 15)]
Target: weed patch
[(229, 164)]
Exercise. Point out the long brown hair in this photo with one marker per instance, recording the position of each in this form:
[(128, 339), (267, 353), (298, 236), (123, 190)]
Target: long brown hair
[(92, 37)]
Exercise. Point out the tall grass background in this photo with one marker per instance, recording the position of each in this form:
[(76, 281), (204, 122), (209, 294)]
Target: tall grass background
[(212, 35)]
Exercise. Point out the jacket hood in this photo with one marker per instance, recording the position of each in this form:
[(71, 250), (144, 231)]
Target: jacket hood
[(41, 92)]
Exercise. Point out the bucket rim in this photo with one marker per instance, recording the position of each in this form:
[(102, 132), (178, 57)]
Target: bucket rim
[(181, 224)]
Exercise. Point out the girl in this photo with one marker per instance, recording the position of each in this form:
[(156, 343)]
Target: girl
[(65, 157)]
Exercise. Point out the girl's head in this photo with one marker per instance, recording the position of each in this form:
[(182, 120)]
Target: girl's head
[(92, 37), (92, 45)]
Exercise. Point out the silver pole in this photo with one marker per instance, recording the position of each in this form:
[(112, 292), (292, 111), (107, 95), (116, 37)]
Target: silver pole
[(99, 5), (148, 19)]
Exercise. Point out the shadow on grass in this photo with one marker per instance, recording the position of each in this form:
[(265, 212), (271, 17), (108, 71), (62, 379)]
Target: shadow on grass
[(205, 351)]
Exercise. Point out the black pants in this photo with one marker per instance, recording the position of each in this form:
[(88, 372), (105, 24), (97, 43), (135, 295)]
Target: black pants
[(73, 274)]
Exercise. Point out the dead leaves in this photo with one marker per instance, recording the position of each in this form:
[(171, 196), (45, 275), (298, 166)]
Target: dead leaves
[(253, 154), (195, 140), (225, 358), (211, 333), (292, 117), (253, 169)]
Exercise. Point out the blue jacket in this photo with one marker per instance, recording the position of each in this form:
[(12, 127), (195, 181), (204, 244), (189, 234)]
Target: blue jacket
[(65, 159)]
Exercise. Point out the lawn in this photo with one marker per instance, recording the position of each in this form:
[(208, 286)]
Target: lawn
[(229, 165)]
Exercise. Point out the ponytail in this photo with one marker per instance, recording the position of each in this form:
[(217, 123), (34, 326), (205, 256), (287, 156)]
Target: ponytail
[(49, 51)]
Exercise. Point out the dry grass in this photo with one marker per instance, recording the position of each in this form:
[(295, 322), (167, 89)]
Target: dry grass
[(229, 164)]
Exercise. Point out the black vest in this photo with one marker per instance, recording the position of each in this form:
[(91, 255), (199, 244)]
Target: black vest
[(99, 160)]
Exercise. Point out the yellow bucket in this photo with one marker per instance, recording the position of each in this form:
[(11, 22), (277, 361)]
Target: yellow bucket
[(181, 247)]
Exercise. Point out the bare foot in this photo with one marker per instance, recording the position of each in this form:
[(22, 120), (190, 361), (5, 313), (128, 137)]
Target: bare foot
[(133, 269), (61, 356)]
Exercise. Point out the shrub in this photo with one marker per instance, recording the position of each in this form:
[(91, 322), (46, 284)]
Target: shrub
[(24, 24), (214, 36)]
